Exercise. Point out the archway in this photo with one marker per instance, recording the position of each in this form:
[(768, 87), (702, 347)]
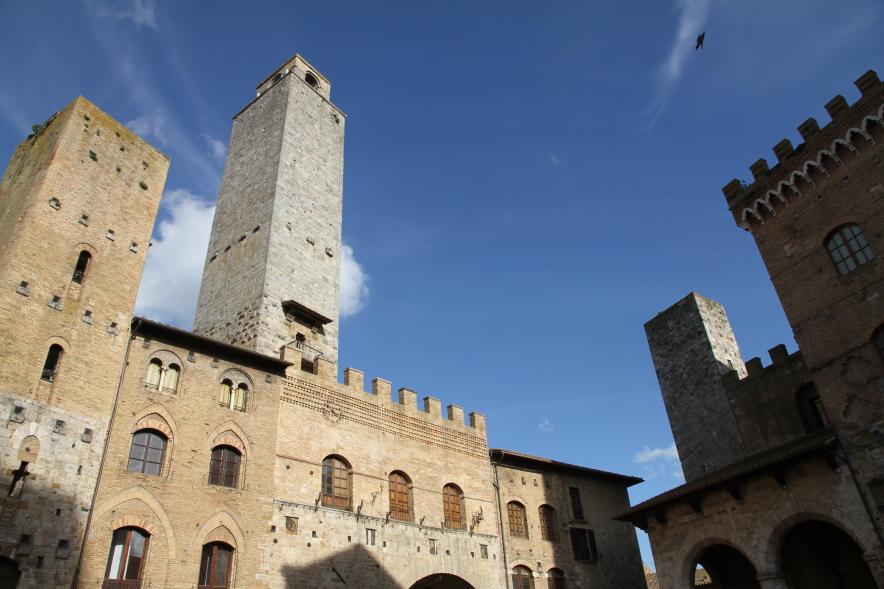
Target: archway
[(9, 573), (441, 581), (818, 555), (727, 567)]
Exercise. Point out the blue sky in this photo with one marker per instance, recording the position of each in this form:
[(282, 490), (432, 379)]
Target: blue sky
[(526, 183)]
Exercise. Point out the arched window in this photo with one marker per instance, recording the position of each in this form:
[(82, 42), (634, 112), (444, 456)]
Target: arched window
[(555, 579), (810, 408), (224, 466), (147, 452), (170, 378), (234, 398), (848, 248), (452, 507), (125, 563), (311, 79), (154, 373), (226, 396), (53, 361), (215, 566), (548, 523), (82, 266), (522, 578), (400, 497), (336, 483), (518, 524)]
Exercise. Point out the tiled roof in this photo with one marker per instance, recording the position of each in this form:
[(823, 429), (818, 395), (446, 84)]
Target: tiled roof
[(512, 458)]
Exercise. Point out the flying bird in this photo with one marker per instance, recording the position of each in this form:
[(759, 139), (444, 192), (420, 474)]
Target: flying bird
[(700, 38)]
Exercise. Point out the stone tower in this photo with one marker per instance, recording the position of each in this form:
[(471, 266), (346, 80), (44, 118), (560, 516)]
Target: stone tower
[(271, 276), (77, 207), (693, 346)]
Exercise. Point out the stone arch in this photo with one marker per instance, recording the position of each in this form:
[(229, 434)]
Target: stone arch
[(776, 194), (441, 581), (131, 521), (216, 528), (57, 339), (717, 535), (823, 159), (230, 434), (761, 204), (874, 126), (844, 149), (144, 496), (750, 212), (29, 449), (156, 417), (166, 357), (827, 514), (814, 165), (855, 133), (236, 376)]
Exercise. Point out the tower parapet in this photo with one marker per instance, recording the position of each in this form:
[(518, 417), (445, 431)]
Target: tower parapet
[(852, 129)]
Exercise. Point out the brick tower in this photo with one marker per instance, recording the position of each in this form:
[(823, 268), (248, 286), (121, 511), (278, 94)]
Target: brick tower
[(271, 276), (693, 346), (77, 206)]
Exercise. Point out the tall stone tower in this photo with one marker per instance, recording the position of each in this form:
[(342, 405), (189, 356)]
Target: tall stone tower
[(77, 207), (693, 346), (271, 276)]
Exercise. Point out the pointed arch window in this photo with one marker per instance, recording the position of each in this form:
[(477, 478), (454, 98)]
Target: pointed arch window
[(125, 563), (548, 523), (52, 363), (82, 267), (453, 507), (849, 248), (518, 524), (216, 565), (147, 452), (161, 377), (224, 466), (522, 578), (336, 483), (400, 497)]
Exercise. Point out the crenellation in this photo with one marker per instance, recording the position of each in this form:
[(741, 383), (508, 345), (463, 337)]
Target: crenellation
[(783, 150), (455, 414), (808, 128), (355, 379), (837, 107), (433, 407), (408, 399), (382, 388)]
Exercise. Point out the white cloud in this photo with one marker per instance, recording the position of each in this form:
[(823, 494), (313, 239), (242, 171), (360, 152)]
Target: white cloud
[(554, 160), (140, 12), (216, 148), (658, 461), (171, 282), (651, 454), (692, 16), (546, 425), (150, 125), (354, 288)]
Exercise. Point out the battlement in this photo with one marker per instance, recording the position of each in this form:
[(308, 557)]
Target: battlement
[(852, 131), (381, 394), (755, 369)]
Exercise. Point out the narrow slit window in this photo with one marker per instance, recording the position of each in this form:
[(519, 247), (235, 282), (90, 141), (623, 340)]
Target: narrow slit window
[(82, 267), (52, 363)]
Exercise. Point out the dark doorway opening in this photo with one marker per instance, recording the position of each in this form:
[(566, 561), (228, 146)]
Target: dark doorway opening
[(818, 555), (727, 568), (442, 581), (9, 573)]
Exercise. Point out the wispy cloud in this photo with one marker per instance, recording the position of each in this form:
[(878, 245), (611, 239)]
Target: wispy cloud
[(650, 454), (354, 284), (659, 462), (171, 282), (150, 125), (554, 160), (142, 13), (692, 16), (546, 426), (216, 148), (11, 112)]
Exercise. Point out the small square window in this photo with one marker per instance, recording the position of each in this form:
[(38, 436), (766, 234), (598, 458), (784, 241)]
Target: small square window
[(483, 550)]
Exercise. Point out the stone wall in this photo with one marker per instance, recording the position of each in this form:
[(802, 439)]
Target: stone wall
[(619, 564)]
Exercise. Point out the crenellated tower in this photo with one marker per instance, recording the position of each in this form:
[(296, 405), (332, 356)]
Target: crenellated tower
[(271, 276)]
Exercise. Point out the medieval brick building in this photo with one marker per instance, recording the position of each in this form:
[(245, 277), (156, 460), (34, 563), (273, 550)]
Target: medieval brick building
[(784, 464), (135, 454)]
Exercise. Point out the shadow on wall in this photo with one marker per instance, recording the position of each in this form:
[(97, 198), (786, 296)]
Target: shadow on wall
[(40, 532), (357, 567)]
